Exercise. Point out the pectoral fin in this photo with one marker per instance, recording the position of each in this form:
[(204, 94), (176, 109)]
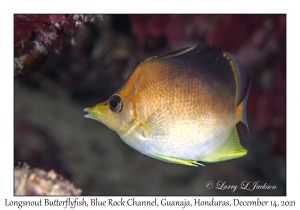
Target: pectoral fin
[(175, 160), (231, 149)]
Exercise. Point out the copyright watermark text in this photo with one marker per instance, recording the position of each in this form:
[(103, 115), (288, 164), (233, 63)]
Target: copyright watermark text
[(245, 185)]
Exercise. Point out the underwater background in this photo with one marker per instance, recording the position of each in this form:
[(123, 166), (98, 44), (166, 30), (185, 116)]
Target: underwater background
[(64, 63)]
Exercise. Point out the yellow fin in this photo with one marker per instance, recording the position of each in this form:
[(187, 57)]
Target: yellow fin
[(175, 160), (232, 148)]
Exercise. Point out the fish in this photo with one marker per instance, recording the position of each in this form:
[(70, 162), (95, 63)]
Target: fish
[(181, 107)]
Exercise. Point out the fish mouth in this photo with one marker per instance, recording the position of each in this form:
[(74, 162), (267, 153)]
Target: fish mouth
[(89, 113), (93, 113), (97, 112)]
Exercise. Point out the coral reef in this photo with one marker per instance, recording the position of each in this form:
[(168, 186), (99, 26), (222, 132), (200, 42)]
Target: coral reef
[(35, 36), (37, 146), (39, 182)]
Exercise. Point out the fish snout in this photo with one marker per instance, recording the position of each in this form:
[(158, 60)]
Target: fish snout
[(89, 113), (98, 112)]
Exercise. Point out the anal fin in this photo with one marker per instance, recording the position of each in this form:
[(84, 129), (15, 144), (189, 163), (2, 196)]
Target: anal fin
[(231, 149), (175, 160)]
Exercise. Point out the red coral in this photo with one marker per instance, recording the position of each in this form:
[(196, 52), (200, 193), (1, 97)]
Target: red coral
[(176, 28), (36, 35), (234, 30), (27, 25)]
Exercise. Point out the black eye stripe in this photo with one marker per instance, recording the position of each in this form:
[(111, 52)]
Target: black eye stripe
[(115, 103)]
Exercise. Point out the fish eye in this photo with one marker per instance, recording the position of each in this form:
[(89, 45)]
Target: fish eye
[(115, 103)]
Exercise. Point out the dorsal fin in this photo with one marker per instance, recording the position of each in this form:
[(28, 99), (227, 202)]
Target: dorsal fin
[(239, 77), (211, 60)]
